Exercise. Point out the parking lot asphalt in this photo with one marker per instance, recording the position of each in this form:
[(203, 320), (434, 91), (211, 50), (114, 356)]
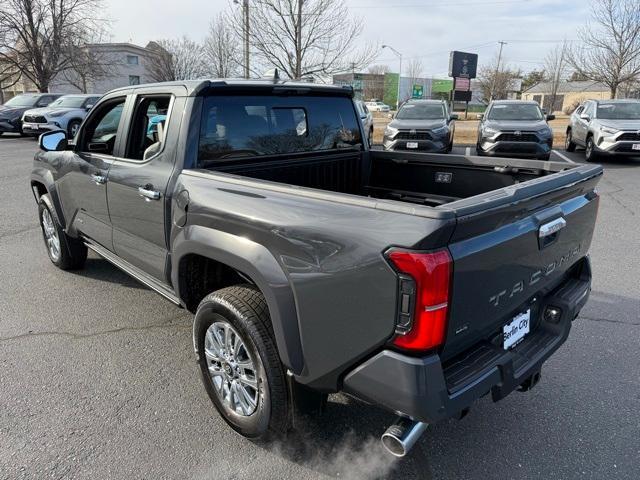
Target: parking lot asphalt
[(98, 378)]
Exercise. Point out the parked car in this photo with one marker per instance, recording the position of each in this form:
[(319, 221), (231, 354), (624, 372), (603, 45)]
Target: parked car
[(515, 128), (421, 125), (12, 110), (605, 128), (66, 113), (416, 282), (378, 106), (367, 120)]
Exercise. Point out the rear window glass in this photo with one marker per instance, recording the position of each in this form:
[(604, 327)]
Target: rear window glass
[(246, 126)]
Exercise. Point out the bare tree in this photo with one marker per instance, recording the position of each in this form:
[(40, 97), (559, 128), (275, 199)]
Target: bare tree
[(497, 83), (555, 64), (175, 59), (609, 51), (221, 50), (34, 35), (303, 38), (379, 69), (414, 71)]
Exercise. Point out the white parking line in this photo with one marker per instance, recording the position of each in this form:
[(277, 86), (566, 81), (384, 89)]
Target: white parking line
[(467, 151), (563, 156)]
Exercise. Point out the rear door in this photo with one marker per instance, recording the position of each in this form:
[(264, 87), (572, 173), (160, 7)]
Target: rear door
[(512, 246), (139, 194)]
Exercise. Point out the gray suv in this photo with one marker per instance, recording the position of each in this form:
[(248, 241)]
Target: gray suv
[(515, 128), (424, 125), (605, 128)]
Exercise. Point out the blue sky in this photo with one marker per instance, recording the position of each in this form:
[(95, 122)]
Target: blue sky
[(427, 29)]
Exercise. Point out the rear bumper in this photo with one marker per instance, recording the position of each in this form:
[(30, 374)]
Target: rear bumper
[(427, 390)]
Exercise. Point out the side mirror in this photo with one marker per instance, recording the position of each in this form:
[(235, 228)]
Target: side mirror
[(54, 141), (453, 116), (551, 116), (585, 117), (480, 116)]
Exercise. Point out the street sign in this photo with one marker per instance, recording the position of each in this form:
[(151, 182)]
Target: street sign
[(462, 84), (460, 96), (418, 91), (463, 64)]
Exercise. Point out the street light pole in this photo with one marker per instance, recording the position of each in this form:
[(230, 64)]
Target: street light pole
[(245, 25), (495, 75), (399, 55)]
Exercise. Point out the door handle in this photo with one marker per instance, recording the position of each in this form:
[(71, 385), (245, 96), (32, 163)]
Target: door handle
[(149, 194), (98, 179)]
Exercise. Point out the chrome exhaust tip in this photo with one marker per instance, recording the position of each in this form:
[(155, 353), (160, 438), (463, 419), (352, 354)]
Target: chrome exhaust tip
[(402, 436)]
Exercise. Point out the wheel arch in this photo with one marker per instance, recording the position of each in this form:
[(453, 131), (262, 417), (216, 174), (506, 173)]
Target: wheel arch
[(229, 257), (42, 183)]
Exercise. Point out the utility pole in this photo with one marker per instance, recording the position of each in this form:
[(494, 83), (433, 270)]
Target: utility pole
[(245, 11), (495, 75), (399, 55), (299, 42)]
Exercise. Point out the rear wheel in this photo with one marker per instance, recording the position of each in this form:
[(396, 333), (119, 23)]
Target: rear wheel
[(239, 362), (569, 146), (65, 252), (590, 154)]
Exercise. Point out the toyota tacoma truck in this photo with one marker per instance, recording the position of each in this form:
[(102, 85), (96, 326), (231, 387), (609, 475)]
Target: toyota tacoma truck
[(314, 264)]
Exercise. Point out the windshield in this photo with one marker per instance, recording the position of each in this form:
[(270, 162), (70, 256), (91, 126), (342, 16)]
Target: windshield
[(619, 111), (68, 102), (22, 101), (421, 111), (515, 111)]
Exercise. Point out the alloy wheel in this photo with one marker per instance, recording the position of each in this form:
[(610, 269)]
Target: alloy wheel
[(50, 235), (233, 370)]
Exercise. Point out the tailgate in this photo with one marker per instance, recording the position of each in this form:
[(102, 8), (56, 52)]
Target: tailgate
[(514, 245)]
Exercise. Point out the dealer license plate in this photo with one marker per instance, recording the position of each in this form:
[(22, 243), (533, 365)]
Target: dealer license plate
[(412, 144), (33, 126), (516, 330), (635, 146)]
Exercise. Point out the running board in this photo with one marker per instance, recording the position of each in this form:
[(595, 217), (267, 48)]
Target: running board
[(133, 271)]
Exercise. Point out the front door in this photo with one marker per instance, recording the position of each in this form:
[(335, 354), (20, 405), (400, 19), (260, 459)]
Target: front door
[(83, 189), (138, 194)]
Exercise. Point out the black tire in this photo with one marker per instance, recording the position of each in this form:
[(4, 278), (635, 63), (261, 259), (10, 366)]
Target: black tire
[(73, 124), (590, 154), (371, 137), (479, 152), (569, 146), (245, 309), (72, 253)]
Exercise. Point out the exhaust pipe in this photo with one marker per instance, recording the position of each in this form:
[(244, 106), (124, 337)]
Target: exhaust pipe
[(402, 436)]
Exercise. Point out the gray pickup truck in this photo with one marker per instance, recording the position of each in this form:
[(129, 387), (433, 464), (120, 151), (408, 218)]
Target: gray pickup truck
[(313, 264)]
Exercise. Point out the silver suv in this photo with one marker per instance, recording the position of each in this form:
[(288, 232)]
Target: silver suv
[(605, 127)]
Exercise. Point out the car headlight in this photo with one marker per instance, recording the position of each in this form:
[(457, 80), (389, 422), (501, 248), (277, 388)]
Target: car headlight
[(441, 130), (545, 132), (55, 114), (489, 132), (390, 131), (608, 130)]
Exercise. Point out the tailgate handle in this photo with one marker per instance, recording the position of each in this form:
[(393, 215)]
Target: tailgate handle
[(548, 233)]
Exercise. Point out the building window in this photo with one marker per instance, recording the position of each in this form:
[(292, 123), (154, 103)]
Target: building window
[(134, 80), (132, 59)]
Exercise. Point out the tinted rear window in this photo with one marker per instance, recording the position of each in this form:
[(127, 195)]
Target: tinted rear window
[(247, 126)]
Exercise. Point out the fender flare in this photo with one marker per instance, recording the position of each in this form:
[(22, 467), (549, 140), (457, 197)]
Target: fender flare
[(254, 261), (44, 177)]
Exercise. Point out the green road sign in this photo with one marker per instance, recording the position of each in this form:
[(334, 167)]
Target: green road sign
[(417, 91)]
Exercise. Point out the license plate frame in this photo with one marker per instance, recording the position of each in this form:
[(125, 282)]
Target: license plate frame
[(516, 330), (412, 145)]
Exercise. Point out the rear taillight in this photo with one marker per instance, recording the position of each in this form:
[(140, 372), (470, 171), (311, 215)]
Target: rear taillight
[(424, 298)]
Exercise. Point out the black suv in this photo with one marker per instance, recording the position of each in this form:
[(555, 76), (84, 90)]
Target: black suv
[(424, 125), (515, 128)]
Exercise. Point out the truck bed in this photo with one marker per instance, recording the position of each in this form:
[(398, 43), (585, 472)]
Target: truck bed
[(424, 179)]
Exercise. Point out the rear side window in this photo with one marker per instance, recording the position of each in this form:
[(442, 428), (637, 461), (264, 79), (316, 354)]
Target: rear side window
[(235, 127)]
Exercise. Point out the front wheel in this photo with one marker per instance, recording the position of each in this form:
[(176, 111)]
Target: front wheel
[(72, 128), (569, 146), (590, 154), (239, 362), (65, 252)]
